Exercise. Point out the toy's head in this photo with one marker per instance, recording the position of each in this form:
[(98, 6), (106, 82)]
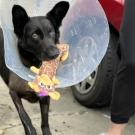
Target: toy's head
[(44, 86), (45, 82)]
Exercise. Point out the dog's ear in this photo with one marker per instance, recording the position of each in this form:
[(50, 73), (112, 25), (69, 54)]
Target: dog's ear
[(19, 18), (57, 14)]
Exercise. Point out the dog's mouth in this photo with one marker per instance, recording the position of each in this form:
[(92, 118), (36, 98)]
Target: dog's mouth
[(48, 58), (39, 57), (50, 54)]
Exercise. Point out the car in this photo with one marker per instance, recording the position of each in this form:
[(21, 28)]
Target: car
[(96, 90)]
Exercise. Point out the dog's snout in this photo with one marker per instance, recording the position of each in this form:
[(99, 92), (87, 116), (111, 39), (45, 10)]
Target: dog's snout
[(51, 53)]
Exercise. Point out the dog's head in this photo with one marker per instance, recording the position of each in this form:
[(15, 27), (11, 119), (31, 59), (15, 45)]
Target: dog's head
[(39, 35)]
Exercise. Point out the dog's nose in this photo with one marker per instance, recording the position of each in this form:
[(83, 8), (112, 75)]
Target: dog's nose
[(52, 53)]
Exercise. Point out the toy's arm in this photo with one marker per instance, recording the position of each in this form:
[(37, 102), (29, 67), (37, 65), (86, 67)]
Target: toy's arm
[(64, 56), (34, 70)]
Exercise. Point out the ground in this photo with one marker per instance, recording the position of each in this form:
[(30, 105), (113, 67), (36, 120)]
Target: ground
[(67, 117)]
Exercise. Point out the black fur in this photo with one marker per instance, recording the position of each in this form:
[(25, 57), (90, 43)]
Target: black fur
[(37, 39)]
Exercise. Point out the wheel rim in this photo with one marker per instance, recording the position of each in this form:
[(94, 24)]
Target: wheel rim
[(85, 86)]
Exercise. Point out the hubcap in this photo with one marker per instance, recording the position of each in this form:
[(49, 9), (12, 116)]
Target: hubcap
[(85, 86)]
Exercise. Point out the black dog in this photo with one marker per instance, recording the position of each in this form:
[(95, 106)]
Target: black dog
[(37, 39)]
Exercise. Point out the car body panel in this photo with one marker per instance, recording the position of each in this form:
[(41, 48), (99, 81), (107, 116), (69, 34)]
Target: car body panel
[(114, 11)]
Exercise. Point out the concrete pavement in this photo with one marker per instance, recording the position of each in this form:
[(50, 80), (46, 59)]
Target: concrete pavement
[(67, 117)]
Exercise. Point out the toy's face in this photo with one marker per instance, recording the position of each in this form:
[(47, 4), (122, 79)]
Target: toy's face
[(44, 86), (45, 83)]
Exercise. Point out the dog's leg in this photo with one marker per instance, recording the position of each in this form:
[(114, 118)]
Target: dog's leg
[(29, 129), (44, 105)]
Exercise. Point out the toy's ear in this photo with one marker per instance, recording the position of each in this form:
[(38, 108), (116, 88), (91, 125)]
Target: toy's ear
[(57, 14), (20, 18), (34, 86), (56, 81)]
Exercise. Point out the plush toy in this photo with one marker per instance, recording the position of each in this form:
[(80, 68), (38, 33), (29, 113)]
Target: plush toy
[(45, 81)]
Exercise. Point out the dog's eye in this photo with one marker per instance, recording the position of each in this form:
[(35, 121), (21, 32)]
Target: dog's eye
[(52, 33), (35, 36)]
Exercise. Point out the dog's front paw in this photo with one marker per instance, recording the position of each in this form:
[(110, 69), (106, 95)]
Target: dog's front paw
[(46, 131)]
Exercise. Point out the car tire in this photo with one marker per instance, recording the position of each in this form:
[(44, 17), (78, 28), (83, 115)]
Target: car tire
[(96, 90)]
